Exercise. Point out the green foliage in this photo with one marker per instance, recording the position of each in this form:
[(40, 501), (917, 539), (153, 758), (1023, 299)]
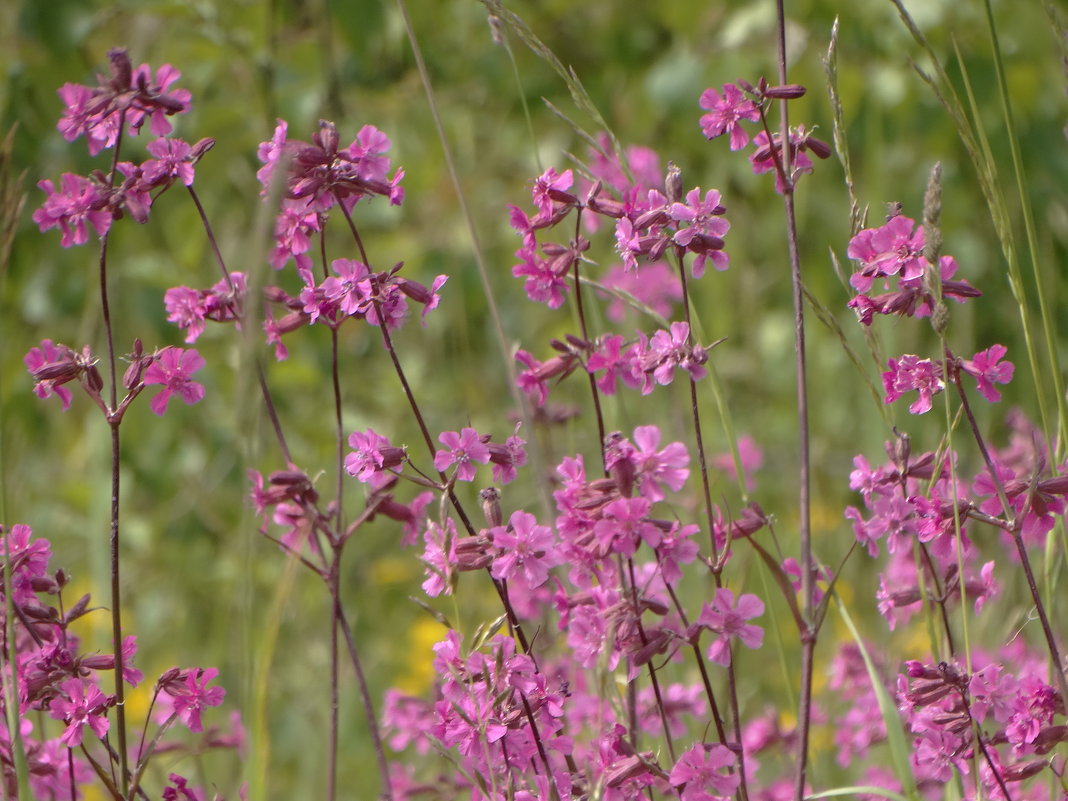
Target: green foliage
[(202, 582)]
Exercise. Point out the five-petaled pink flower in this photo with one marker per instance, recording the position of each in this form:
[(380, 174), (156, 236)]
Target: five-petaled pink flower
[(728, 620), (84, 705), (913, 373), (525, 549), (172, 369), (706, 770), (463, 450), (725, 112), (190, 693), (988, 369), (75, 204)]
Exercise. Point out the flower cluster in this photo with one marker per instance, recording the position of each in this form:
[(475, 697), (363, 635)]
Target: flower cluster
[(120, 102), (744, 102), (895, 251), (55, 676)]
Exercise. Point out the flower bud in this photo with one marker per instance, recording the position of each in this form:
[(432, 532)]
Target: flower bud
[(788, 91)]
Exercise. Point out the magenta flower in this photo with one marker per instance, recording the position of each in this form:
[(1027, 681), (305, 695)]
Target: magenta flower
[(617, 365), (728, 620), (190, 694), (988, 371), (707, 772), (79, 202), (725, 112), (173, 161), (128, 94), (371, 454), (892, 249), (706, 229), (82, 704), (172, 369), (657, 469), (543, 284), (913, 373), (525, 549), (59, 359), (463, 450), (551, 186)]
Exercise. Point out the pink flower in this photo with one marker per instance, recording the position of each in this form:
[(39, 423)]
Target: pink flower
[(60, 359), (172, 369), (84, 705), (913, 373), (549, 187), (173, 160), (706, 772), (190, 694), (706, 229), (79, 202), (463, 450), (525, 548), (725, 112), (371, 454), (659, 468), (987, 371), (725, 618)]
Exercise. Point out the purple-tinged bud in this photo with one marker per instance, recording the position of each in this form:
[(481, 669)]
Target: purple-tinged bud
[(62, 577), (121, 69), (198, 150), (657, 644), (1024, 770), (327, 136), (623, 770), (78, 609), (44, 584), (169, 676), (788, 91), (275, 294), (817, 147), (1049, 737), (98, 662), (288, 478), (490, 498), (93, 380), (657, 216), (472, 553), (609, 207), (36, 611)]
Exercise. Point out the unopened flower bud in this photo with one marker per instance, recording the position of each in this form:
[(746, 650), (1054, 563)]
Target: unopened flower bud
[(788, 91), (200, 148), (490, 498)]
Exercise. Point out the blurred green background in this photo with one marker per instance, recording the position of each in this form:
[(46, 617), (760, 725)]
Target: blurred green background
[(200, 581)]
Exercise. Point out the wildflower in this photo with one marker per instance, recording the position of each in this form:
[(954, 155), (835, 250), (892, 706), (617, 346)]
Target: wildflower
[(173, 161), (525, 547), (549, 188), (705, 231), (462, 449), (725, 112), (728, 620), (705, 772), (371, 454), (81, 704), (988, 369), (172, 368), (190, 693), (131, 95), (913, 373), (78, 203)]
